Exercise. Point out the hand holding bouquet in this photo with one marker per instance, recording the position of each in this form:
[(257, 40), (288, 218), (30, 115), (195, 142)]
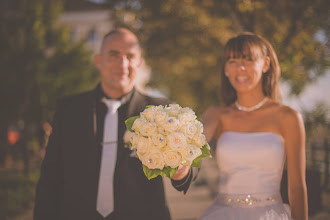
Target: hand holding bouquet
[(165, 137)]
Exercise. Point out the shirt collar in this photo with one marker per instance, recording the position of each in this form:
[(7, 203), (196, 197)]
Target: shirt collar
[(123, 99)]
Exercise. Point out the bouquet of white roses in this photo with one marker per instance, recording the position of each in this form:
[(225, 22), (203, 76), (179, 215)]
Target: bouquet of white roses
[(165, 137)]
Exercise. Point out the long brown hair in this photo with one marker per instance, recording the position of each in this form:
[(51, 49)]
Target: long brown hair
[(254, 46)]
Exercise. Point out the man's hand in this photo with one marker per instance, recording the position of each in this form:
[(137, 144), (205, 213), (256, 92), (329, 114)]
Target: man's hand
[(181, 173)]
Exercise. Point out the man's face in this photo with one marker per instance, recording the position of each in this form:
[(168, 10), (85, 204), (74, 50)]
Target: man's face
[(118, 61)]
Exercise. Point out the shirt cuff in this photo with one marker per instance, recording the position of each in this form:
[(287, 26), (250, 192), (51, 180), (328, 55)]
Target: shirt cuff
[(179, 183)]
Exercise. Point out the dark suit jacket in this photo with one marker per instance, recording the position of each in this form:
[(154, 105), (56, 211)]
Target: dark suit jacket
[(67, 188)]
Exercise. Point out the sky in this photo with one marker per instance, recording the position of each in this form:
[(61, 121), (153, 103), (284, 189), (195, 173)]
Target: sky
[(317, 92)]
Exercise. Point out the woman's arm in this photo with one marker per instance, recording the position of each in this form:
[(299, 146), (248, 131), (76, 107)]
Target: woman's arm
[(211, 123), (293, 131)]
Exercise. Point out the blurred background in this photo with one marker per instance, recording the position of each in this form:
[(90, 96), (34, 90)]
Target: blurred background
[(47, 49)]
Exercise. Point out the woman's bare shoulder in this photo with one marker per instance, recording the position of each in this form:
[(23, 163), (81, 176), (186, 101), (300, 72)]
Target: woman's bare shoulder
[(288, 113), (288, 117), (217, 111), (281, 110), (214, 115)]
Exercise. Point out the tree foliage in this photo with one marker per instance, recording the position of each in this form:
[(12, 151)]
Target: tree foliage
[(39, 63), (317, 123), (184, 40)]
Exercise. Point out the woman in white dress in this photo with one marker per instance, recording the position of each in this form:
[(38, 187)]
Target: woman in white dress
[(255, 134)]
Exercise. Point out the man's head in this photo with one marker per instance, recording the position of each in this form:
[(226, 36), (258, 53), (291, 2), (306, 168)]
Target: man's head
[(118, 61)]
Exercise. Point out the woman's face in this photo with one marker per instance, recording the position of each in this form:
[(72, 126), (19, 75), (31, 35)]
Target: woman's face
[(245, 73)]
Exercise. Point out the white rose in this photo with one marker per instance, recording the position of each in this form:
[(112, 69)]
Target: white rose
[(135, 140), (159, 140), (187, 110), (143, 145), (172, 158), (138, 123), (189, 130), (199, 125), (160, 117), (153, 160), (148, 129), (173, 110), (199, 140), (186, 117), (162, 131), (174, 106), (171, 124), (173, 113), (128, 136), (158, 108), (176, 141), (148, 113), (190, 153)]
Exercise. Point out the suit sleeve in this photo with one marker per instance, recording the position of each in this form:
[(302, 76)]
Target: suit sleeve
[(184, 184), (49, 186)]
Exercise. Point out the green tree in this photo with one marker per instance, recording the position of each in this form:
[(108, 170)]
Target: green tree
[(39, 63), (317, 123), (184, 40)]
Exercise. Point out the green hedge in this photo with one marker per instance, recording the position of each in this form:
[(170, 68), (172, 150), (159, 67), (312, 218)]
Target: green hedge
[(17, 192)]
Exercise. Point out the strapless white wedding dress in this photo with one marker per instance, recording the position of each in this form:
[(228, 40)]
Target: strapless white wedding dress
[(251, 166)]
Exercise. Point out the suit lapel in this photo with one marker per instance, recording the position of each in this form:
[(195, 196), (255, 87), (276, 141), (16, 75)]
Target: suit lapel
[(93, 147), (91, 118), (137, 104)]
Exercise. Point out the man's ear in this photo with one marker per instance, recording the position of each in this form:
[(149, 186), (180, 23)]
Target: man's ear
[(139, 62), (97, 60)]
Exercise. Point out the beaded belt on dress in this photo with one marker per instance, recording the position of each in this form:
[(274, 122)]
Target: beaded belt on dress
[(248, 200)]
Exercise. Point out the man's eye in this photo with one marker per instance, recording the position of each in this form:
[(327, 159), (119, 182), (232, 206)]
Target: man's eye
[(130, 56)]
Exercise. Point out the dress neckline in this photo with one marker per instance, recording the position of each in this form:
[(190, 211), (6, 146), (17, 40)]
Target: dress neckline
[(255, 133)]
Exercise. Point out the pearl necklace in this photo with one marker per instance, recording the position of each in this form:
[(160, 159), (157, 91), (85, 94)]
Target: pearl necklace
[(252, 108)]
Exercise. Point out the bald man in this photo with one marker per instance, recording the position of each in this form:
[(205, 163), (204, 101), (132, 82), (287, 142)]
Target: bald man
[(83, 177)]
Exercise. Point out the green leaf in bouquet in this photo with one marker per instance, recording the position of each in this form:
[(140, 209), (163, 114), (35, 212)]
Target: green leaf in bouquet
[(173, 171), (206, 150), (166, 171), (205, 153), (197, 162), (129, 123), (149, 106), (151, 173), (198, 119), (169, 172)]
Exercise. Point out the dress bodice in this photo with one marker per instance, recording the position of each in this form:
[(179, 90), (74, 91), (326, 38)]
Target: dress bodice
[(251, 166), (250, 162)]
